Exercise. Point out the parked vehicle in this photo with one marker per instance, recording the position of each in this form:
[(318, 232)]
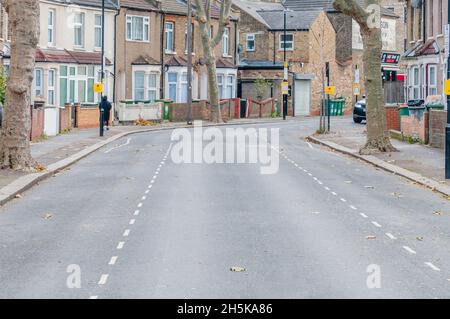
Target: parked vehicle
[(359, 111)]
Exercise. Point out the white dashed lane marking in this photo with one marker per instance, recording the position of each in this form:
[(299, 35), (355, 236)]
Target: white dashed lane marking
[(132, 221), (432, 266), (364, 215), (353, 207), (113, 260), (93, 297), (120, 245), (409, 250), (103, 279), (391, 236), (136, 212), (126, 233), (376, 224)]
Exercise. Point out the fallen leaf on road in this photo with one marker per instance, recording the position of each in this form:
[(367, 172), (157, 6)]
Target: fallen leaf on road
[(48, 216), (237, 269), (18, 196), (398, 195), (371, 237), (438, 213), (348, 182), (419, 238), (40, 168), (371, 187)]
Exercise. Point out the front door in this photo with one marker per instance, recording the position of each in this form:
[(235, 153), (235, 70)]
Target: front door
[(302, 97)]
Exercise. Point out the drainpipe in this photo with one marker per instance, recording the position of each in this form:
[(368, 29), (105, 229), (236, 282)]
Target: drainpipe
[(424, 24), (162, 81), (115, 57), (274, 49)]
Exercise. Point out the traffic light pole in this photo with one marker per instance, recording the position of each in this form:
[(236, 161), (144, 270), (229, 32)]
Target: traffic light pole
[(286, 77), (189, 58)]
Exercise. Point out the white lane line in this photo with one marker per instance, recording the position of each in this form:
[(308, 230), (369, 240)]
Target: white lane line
[(408, 249), (120, 244), (353, 207), (391, 236), (310, 174), (140, 205), (150, 186), (334, 193), (118, 146), (147, 191), (132, 221), (432, 266), (315, 178), (144, 197), (343, 200), (113, 260), (126, 233), (319, 182), (103, 279), (310, 145), (376, 224), (155, 177), (153, 181), (156, 173), (326, 188), (296, 165), (136, 212), (93, 297), (364, 215)]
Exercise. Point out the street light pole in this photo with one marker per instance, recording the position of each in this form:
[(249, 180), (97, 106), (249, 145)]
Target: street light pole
[(447, 128), (189, 62), (102, 115), (286, 76)]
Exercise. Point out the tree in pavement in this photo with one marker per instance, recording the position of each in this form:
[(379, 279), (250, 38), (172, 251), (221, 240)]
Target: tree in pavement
[(23, 17), (209, 42), (369, 20)]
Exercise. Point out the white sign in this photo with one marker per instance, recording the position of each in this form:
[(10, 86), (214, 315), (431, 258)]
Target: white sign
[(388, 35), (447, 40), (357, 76)]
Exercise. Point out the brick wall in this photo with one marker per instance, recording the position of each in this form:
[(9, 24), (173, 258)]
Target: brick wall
[(87, 117), (393, 118), (438, 121), (37, 123), (178, 111), (65, 118), (416, 125)]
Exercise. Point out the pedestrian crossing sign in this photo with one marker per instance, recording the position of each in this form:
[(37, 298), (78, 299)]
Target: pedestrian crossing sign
[(98, 87)]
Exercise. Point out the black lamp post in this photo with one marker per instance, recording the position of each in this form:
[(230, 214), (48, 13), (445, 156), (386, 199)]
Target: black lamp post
[(286, 76), (447, 128)]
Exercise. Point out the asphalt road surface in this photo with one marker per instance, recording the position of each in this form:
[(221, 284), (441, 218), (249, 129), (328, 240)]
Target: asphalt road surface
[(128, 222)]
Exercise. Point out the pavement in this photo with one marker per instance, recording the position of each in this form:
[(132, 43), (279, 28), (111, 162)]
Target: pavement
[(126, 221)]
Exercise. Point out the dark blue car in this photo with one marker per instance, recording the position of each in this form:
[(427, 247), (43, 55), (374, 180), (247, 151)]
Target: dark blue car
[(359, 111)]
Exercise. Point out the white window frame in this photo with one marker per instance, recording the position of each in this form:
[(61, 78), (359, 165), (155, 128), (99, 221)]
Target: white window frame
[(250, 37), (130, 26), (220, 85), (414, 83), (98, 28), (280, 42), (429, 82), (229, 85), (171, 83), (226, 42), (140, 89), (51, 27), (51, 87), (37, 87), (152, 88), (81, 26), (168, 31)]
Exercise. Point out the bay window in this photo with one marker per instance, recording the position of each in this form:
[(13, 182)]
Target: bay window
[(287, 42), (172, 82), (98, 31), (432, 80), (51, 28), (139, 86), (37, 82)]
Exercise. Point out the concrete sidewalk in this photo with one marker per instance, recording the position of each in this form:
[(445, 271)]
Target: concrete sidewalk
[(420, 163)]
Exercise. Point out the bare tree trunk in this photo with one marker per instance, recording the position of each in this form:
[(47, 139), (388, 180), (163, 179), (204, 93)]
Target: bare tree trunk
[(370, 24), (15, 135), (204, 20)]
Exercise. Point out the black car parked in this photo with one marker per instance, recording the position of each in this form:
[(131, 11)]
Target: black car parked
[(359, 111)]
